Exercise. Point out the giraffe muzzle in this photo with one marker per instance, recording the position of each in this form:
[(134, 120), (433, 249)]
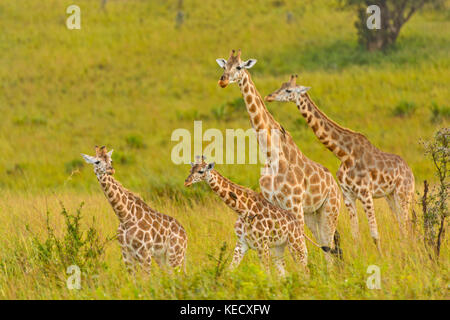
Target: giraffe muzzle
[(269, 98), (223, 81), (187, 183)]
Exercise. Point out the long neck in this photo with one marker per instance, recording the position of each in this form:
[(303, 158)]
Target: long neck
[(234, 195), (337, 139), (117, 195), (262, 121), (260, 117)]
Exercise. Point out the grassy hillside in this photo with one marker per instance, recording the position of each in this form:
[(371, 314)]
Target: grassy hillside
[(130, 77)]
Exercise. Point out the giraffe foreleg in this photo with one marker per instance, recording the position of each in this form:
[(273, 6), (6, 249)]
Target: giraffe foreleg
[(299, 251), (128, 260), (350, 203), (264, 256), (176, 253), (278, 258), (239, 252), (367, 201)]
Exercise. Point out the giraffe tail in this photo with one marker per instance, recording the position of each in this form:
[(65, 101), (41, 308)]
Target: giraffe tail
[(184, 263), (337, 251)]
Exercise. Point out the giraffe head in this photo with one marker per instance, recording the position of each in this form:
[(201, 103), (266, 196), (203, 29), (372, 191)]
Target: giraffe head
[(234, 68), (199, 171), (289, 91), (102, 161)]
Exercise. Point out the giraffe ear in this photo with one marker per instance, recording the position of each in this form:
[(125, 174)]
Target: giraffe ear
[(110, 153), (302, 89), (210, 165), (221, 62), (89, 159), (249, 63)]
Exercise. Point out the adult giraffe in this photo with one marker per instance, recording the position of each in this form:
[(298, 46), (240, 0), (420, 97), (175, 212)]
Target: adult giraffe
[(365, 172), (297, 184)]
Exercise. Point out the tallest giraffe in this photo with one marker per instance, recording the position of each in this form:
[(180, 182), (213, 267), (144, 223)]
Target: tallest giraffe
[(299, 184)]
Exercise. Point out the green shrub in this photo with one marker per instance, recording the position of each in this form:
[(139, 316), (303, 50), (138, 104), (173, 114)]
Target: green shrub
[(135, 142), (404, 109), (438, 113), (84, 249)]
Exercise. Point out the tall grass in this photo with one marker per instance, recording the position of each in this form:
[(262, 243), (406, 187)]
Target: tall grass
[(406, 269)]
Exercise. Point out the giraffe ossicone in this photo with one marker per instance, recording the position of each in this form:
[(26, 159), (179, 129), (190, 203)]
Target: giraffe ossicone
[(143, 233)]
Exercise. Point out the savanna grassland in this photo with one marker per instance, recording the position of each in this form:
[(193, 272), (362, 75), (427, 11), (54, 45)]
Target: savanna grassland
[(131, 76)]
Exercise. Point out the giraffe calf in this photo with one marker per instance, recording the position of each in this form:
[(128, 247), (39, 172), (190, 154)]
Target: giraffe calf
[(261, 225), (143, 233)]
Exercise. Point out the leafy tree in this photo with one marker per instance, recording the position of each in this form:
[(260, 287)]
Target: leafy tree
[(393, 15)]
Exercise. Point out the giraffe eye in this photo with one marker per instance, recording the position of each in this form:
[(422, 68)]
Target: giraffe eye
[(288, 91), (97, 162), (239, 67), (201, 171)]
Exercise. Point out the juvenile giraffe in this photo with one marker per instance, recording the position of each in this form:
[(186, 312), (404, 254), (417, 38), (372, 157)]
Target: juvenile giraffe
[(261, 226), (365, 172), (143, 233), (299, 185)]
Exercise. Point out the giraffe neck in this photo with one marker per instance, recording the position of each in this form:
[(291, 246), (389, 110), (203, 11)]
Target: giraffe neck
[(118, 197), (234, 195), (260, 117), (337, 139)]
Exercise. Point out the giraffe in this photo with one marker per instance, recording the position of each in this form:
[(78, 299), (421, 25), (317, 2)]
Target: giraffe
[(365, 172), (260, 226), (298, 184), (143, 233)]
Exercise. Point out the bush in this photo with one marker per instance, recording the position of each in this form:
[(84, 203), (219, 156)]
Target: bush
[(404, 109), (435, 201), (438, 113), (84, 249), (135, 142)]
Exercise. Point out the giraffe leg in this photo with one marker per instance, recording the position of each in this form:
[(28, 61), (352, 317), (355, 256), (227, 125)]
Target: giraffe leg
[(350, 203), (278, 258), (147, 263), (327, 218), (239, 252), (129, 261), (395, 210), (264, 256), (299, 251), (369, 208), (175, 258), (403, 202), (312, 223)]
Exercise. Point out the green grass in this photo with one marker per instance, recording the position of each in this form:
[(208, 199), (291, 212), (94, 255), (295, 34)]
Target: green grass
[(129, 77)]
